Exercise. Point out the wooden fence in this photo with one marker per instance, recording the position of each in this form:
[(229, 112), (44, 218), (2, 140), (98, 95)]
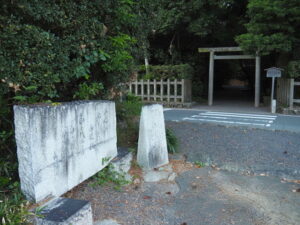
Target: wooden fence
[(162, 91), (286, 92)]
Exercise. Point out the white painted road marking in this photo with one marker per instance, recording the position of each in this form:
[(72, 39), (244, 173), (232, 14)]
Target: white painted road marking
[(234, 118)]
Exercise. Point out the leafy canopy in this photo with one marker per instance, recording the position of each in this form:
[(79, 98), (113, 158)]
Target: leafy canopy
[(50, 47), (273, 27)]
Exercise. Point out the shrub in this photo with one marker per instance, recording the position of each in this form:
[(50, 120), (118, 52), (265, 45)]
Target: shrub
[(182, 71), (172, 142), (128, 113), (129, 108)]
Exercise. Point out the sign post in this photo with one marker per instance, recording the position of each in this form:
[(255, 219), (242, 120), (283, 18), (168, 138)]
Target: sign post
[(273, 72)]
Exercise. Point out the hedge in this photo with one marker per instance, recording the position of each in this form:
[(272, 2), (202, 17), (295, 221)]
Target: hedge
[(181, 71)]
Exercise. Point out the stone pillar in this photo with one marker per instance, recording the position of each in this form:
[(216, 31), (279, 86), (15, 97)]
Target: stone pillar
[(60, 146), (152, 145), (211, 79), (257, 81)]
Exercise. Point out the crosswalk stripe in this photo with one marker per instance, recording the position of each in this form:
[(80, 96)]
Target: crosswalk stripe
[(226, 118), (228, 122), (239, 116)]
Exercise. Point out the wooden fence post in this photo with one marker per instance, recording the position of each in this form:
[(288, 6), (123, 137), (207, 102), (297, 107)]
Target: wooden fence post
[(154, 93), (168, 88), (161, 90), (292, 86), (130, 87), (148, 90), (136, 87), (142, 89), (182, 90), (175, 90)]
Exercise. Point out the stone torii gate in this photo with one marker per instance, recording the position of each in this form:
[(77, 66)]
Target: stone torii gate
[(214, 57)]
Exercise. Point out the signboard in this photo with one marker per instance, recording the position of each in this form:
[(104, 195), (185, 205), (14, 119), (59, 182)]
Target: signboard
[(274, 72)]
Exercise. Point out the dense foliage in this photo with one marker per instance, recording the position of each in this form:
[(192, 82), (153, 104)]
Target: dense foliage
[(49, 47), (57, 51), (182, 71), (273, 26)]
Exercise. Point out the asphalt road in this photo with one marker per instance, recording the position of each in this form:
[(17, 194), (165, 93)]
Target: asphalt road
[(252, 120)]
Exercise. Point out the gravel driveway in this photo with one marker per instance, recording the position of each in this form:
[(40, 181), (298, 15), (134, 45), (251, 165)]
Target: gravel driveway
[(240, 149), (211, 196)]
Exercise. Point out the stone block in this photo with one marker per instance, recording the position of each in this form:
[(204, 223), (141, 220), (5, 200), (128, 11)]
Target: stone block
[(65, 211), (152, 144), (122, 163), (60, 146)]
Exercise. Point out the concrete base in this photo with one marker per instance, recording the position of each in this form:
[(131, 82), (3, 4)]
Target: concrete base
[(65, 211), (273, 106)]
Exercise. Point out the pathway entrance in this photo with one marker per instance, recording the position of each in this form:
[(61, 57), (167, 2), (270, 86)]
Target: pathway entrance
[(214, 56)]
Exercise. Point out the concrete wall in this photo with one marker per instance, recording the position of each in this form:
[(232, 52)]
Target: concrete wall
[(61, 146)]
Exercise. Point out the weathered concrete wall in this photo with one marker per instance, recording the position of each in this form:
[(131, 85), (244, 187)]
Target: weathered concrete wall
[(61, 146), (152, 146)]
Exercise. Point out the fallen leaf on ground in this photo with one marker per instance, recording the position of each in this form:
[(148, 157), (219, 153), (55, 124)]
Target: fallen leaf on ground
[(147, 197)]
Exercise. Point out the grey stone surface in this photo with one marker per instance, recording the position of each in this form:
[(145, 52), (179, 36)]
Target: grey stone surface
[(172, 177), (163, 173), (152, 145), (201, 196), (155, 176), (61, 146), (65, 211), (216, 197), (106, 222)]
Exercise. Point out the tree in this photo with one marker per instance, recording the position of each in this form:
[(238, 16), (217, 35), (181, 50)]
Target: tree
[(181, 26), (48, 48), (273, 27)]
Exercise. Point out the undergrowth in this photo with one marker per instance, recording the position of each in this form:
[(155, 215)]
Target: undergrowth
[(13, 206), (172, 142), (109, 176)]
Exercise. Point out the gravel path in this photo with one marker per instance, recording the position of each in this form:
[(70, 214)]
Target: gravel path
[(201, 196), (210, 196), (240, 149)]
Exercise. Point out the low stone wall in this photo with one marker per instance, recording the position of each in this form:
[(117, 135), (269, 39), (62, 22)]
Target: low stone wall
[(61, 146)]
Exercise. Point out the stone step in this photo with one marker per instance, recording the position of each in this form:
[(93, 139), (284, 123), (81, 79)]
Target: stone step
[(65, 211)]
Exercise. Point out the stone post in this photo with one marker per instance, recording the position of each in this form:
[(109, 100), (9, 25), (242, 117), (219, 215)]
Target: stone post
[(152, 144)]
